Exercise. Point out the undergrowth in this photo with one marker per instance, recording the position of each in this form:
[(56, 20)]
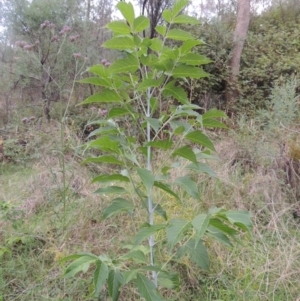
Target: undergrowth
[(250, 177)]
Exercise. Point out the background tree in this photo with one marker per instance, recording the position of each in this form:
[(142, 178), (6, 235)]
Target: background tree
[(239, 37), (50, 36), (154, 9)]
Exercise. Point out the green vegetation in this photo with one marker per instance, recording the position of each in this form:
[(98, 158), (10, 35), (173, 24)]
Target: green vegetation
[(48, 208)]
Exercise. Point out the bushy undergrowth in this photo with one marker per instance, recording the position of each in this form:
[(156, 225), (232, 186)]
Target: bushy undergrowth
[(270, 56), (36, 231)]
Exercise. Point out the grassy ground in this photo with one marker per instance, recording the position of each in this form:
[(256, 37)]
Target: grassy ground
[(48, 210)]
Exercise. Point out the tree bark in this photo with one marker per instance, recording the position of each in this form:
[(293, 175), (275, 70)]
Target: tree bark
[(154, 10), (240, 35)]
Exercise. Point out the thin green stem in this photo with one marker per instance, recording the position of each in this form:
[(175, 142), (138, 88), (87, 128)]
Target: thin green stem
[(150, 200)]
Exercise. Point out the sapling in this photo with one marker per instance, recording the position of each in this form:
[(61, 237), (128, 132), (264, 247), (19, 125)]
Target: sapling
[(136, 89)]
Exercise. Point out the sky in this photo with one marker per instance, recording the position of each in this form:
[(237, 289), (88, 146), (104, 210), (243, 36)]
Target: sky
[(193, 8)]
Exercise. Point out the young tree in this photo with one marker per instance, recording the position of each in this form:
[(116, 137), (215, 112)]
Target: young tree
[(135, 89)]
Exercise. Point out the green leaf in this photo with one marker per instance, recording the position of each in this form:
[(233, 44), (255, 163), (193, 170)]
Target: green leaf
[(103, 130), (160, 211), (127, 11), (162, 144), (117, 206), (219, 236), (146, 177), (185, 112), (179, 5), (149, 83), (99, 70), (161, 29), (147, 289), (201, 139), (149, 60), (189, 44), (97, 81), (194, 59), (114, 282), (185, 152), (218, 224), (177, 92), (156, 44), (120, 43), (132, 157), (136, 255), (164, 64), (213, 113), (138, 41), (179, 126), (119, 27), (198, 254), (146, 42), (140, 23), (168, 280), (212, 123), (130, 275), (76, 256), (154, 123), (170, 53), (179, 35), (200, 224), (187, 184), (175, 230), (105, 144), (166, 188), (111, 178), (189, 71), (105, 96), (100, 276), (215, 210), (145, 232), (128, 64), (117, 112), (240, 217), (167, 15), (202, 168), (80, 265), (184, 19), (104, 159), (111, 189)]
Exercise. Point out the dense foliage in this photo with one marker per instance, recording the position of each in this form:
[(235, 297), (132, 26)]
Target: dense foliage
[(271, 55)]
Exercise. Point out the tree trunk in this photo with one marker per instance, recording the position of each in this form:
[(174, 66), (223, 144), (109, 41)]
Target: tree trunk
[(88, 10), (240, 35), (154, 10)]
